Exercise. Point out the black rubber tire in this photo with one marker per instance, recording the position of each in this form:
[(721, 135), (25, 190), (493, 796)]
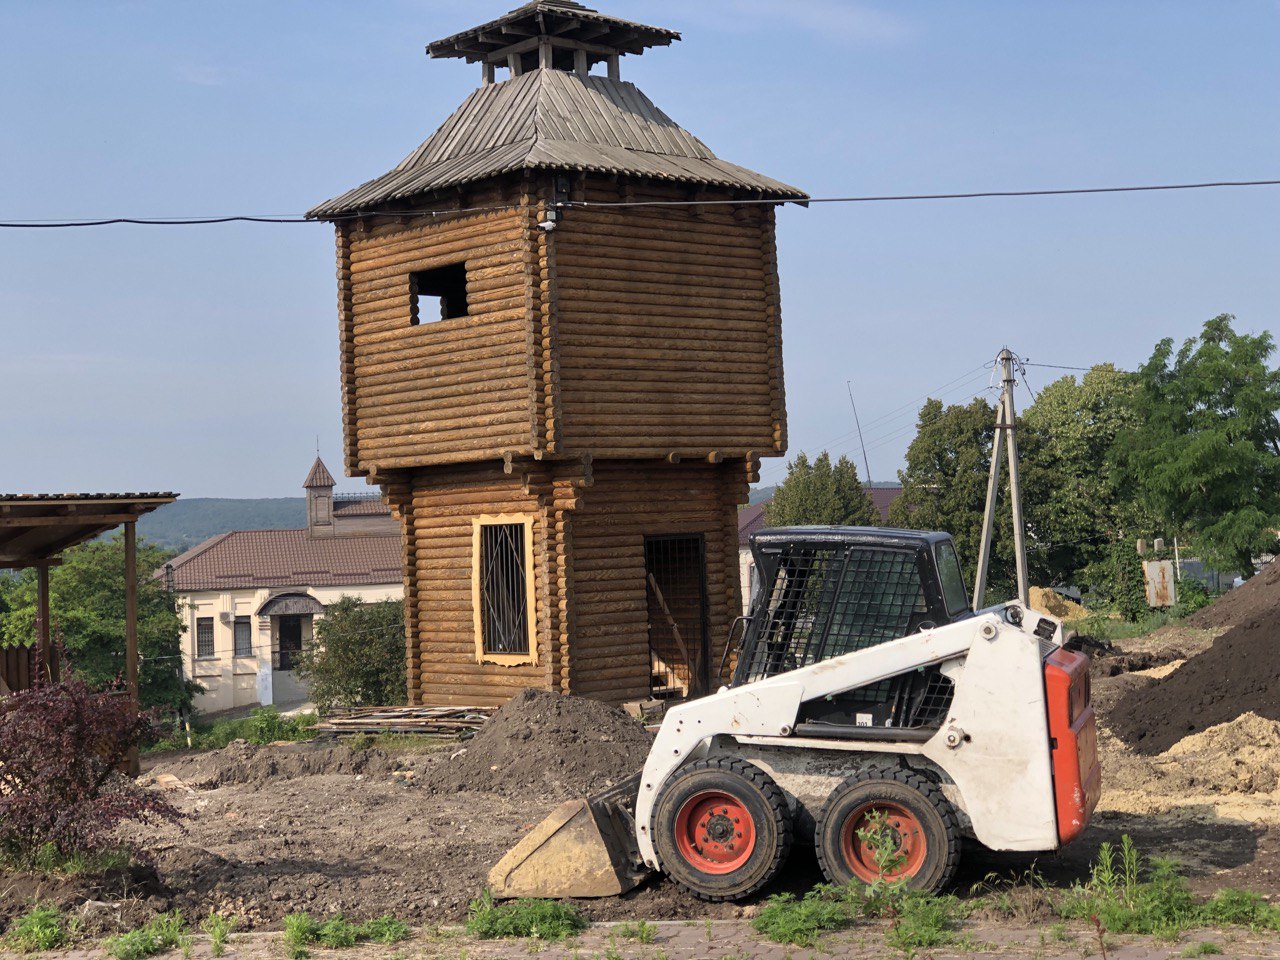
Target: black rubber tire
[(762, 798), (909, 789)]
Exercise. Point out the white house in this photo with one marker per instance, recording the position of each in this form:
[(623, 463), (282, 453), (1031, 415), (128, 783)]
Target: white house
[(251, 597)]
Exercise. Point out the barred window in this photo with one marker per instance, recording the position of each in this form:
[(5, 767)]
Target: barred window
[(502, 589), (243, 637), (204, 637)]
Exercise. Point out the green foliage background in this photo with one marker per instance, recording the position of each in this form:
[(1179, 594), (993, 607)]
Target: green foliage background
[(821, 493), (87, 611)]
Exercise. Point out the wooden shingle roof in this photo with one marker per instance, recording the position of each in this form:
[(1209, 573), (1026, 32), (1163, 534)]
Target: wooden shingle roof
[(555, 120)]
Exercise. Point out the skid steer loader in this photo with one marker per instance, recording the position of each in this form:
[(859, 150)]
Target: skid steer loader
[(866, 691)]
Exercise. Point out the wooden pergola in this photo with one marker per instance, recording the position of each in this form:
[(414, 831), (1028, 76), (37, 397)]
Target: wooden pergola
[(37, 528)]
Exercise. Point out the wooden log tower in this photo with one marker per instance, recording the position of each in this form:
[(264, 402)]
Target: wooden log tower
[(563, 392)]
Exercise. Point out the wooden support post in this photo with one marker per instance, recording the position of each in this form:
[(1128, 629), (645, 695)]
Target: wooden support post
[(131, 625), (513, 64), (44, 636), (487, 73), (614, 72), (544, 54), (580, 65)]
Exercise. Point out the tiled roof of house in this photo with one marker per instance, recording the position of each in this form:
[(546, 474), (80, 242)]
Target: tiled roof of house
[(319, 476), (360, 506), (883, 498), (750, 519), (287, 558)]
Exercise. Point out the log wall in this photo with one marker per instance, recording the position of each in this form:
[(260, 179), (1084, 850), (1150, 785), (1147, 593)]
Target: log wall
[(443, 391), (668, 332)]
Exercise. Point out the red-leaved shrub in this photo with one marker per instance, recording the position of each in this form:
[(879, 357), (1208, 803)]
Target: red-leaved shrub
[(60, 749)]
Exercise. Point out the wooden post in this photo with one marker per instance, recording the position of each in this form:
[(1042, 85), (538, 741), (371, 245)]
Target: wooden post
[(44, 637), (614, 72), (487, 72), (131, 625), (544, 54), (580, 65)]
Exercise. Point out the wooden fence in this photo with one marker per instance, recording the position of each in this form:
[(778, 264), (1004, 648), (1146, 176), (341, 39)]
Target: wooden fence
[(17, 668)]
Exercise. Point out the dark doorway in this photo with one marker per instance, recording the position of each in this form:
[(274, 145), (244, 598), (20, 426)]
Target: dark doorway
[(290, 640), (679, 648)]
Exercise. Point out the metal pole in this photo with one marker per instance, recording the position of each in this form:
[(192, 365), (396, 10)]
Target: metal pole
[(1015, 488), (131, 626), (989, 515), (865, 462)]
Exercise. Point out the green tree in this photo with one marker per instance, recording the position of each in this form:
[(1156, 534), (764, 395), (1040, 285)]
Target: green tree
[(944, 485), (1205, 454), (821, 493), (86, 598), (358, 657), (1073, 505)]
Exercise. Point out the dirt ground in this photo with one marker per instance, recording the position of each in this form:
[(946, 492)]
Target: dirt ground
[(735, 940), (322, 827)]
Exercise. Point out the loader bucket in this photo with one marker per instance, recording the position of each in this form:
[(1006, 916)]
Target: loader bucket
[(584, 848)]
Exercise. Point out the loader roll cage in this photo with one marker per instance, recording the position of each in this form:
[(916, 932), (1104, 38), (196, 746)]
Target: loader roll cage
[(828, 591)]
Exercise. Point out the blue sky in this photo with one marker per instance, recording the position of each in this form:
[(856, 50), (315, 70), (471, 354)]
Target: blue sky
[(204, 359)]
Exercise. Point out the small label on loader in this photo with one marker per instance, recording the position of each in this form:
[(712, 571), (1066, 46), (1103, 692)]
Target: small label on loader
[(862, 719)]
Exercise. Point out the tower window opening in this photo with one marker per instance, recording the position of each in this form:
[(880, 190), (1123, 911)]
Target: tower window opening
[(439, 294)]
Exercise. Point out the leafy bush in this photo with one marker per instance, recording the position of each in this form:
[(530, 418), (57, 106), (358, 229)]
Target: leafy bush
[(801, 922), (263, 725), (41, 928), (923, 921), (1128, 895), (539, 919), (384, 929), (300, 929), (1242, 908), (163, 933), (60, 794), (266, 725), (358, 656)]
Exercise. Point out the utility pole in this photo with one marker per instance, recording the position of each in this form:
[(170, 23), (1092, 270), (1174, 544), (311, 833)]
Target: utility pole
[(1006, 430)]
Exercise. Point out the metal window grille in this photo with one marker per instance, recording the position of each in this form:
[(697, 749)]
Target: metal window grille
[(504, 609), (676, 583), (204, 636), (828, 601), (243, 637)]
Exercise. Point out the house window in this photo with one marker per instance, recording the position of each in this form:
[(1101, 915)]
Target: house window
[(244, 637), (502, 589), (439, 294), (204, 637)]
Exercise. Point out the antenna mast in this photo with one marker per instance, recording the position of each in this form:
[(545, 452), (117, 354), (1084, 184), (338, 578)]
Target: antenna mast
[(865, 462)]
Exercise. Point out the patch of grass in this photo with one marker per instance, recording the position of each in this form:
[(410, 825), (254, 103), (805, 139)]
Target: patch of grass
[(162, 934), (539, 919), (1203, 948), (264, 725), (1241, 908), (384, 929), (641, 931), (49, 859), (40, 928), (219, 930), (924, 921), (802, 922)]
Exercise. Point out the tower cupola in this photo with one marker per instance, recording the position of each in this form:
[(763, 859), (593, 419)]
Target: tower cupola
[(551, 35)]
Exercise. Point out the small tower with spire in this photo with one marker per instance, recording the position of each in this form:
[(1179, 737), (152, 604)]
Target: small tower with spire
[(561, 359), (319, 486)]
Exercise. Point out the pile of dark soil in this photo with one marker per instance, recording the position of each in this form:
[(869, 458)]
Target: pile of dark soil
[(102, 904), (243, 763), (542, 743), (1259, 597), (1240, 673)]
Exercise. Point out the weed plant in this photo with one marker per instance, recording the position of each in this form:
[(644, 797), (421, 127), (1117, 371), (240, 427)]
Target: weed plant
[(642, 931), (219, 930), (539, 919), (41, 928), (162, 934), (302, 930)]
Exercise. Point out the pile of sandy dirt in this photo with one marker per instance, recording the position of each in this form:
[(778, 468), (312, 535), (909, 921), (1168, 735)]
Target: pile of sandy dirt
[(244, 763), (1047, 600), (541, 742), (1259, 597), (1238, 674)]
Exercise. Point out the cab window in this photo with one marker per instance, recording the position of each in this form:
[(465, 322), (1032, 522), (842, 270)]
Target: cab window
[(953, 591)]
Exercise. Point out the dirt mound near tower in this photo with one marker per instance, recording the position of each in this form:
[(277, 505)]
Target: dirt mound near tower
[(541, 742), (1238, 674)]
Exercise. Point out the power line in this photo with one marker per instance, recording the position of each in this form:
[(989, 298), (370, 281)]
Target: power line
[(49, 223)]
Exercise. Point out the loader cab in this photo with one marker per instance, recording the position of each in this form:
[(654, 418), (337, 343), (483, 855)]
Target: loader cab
[(829, 591)]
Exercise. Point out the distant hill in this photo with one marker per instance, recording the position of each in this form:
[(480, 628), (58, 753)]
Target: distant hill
[(761, 494), (185, 523)]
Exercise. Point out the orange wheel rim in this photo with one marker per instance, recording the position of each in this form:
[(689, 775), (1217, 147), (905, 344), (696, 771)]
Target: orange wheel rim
[(906, 838), (715, 832)]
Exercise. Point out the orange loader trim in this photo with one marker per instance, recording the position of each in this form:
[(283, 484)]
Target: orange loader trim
[(1073, 733)]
